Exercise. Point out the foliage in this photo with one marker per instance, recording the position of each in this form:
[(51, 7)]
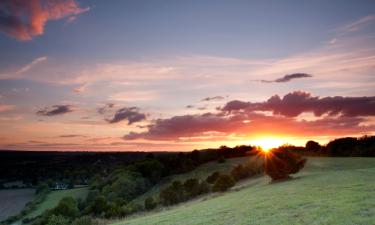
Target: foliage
[(213, 177), (150, 203), (280, 163), (223, 183)]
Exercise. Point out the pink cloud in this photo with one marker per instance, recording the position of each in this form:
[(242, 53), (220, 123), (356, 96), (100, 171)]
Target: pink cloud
[(337, 116), (24, 20)]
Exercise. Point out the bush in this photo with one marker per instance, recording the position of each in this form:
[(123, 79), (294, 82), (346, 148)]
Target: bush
[(223, 183), (67, 207), (150, 203), (213, 177), (172, 194), (239, 172), (280, 163), (131, 208)]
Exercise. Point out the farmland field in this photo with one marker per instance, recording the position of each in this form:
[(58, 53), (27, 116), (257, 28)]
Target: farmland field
[(327, 191), (13, 201), (54, 197)]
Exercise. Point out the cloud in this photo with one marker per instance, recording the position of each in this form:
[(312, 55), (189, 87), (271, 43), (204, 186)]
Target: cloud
[(107, 106), (337, 116), (55, 110), (131, 114), (358, 24), (215, 98), (81, 88), (288, 78), (4, 107), (295, 103), (24, 20), (31, 65)]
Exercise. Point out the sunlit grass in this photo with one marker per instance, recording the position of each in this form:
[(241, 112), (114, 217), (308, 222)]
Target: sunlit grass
[(331, 191)]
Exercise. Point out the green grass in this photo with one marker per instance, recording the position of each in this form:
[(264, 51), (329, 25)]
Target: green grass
[(327, 191), (200, 173), (54, 197)]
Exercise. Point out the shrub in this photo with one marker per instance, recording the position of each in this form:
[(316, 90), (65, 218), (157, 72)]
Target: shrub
[(213, 177), (223, 183), (67, 207), (191, 187), (239, 172), (280, 163), (150, 203), (131, 208), (172, 194)]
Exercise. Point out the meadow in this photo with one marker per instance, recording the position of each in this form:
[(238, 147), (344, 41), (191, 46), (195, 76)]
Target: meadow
[(327, 191), (54, 197)]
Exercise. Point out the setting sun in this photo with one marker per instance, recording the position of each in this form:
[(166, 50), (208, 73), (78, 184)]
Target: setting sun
[(268, 143)]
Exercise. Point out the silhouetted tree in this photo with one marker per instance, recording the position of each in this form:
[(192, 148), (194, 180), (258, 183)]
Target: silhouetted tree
[(279, 164), (313, 146)]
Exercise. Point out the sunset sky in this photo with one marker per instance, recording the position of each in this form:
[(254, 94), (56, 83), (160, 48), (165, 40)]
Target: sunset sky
[(181, 75)]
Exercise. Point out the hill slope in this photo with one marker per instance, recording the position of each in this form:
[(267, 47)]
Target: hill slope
[(327, 191)]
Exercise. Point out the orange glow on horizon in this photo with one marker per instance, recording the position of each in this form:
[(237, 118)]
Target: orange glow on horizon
[(268, 143)]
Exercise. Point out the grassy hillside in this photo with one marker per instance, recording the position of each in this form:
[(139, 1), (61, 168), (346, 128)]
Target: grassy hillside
[(54, 197), (327, 191), (201, 173)]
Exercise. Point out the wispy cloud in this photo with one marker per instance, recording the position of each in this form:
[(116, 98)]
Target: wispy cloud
[(55, 110), (358, 24), (5, 107), (215, 98), (31, 65), (287, 78)]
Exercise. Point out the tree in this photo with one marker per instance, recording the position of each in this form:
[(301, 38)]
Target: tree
[(213, 177), (223, 183), (191, 187), (280, 163), (172, 194), (150, 203), (313, 146), (42, 188), (67, 207)]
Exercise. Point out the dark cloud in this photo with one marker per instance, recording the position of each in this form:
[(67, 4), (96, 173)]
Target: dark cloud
[(216, 98), (25, 19), (107, 106), (55, 110), (288, 78), (131, 114), (295, 103), (337, 116)]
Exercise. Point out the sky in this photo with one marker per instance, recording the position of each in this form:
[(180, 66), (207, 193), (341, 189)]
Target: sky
[(183, 75)]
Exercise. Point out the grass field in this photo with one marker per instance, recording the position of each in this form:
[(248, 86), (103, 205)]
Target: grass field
[(327, 191), (12, 201), (54, 197)]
